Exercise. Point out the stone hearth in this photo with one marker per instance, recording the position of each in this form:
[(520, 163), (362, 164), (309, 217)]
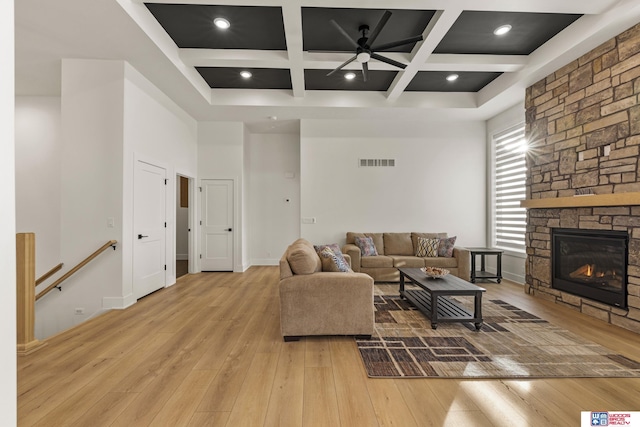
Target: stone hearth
[(583, 128)]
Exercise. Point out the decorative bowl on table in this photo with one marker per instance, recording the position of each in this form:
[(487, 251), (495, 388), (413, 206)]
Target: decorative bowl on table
[(435, 272)]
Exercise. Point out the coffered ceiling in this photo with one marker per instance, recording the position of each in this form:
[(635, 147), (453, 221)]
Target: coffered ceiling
[(289, 47)]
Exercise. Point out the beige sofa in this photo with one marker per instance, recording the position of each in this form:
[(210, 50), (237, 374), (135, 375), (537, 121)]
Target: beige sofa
[(313, 302), (398, 250)]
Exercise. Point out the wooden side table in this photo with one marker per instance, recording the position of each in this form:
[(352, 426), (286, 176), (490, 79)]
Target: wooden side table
[(482, 273)]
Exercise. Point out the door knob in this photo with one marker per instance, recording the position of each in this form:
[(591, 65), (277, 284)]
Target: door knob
[(140, 236), (229, 229)]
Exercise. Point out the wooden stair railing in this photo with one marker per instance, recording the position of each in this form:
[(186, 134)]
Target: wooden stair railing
[(49, 273), (110, 243), (26, 285)]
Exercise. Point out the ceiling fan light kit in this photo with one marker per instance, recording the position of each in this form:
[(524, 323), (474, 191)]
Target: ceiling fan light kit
[(365, 48)]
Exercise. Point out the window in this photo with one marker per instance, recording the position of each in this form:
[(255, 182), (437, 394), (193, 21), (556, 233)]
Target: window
[(509, 171)]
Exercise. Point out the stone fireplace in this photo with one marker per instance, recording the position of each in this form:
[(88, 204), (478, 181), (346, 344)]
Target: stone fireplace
[(583, 174)]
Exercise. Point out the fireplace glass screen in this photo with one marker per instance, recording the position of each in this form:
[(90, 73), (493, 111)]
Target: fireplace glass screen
[(591, 263)]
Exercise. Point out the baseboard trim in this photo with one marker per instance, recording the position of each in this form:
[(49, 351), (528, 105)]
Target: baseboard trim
[(513, 277), (509, 276), (265, 261), (118, 303)]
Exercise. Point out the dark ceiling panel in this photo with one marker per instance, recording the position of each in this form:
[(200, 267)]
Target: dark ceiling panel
[(472, 32), (435, 81), (191, 26), (377, 80), (262, 78), (320, 35)]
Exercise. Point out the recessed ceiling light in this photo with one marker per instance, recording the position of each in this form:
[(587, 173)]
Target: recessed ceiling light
[(503, 29), (452, 77), (350, 76), (245, 74), (221, 23)]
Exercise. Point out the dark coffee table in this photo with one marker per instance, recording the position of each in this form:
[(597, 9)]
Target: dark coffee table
[(432, 299)]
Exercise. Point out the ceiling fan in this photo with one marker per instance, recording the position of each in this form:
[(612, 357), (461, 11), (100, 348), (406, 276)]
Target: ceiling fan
[(365, 49)]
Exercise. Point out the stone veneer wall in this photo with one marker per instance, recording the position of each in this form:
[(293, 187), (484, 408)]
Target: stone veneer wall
[(583, 128)]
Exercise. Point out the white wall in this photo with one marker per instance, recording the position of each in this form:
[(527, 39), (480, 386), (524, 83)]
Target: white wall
[(8, 397), (221, 156), (158, 131), (109, 115), (38, 156), (91, 191), (437, 185), (245, 230), (513, 264), (274, 177)]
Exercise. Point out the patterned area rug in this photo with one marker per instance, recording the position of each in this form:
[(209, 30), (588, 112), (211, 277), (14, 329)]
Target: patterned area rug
[(511, 344)]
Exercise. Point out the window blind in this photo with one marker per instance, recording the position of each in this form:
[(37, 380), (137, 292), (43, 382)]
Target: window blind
[(509, 179)]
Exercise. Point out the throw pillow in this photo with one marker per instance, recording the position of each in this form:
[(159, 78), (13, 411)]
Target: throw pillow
[(332, 262), (445, 247), (427, 247), (367, 248), (336, 251), (333, 246)]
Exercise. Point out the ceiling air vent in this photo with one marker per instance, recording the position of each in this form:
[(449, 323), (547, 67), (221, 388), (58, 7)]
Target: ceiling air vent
[(377, 162)]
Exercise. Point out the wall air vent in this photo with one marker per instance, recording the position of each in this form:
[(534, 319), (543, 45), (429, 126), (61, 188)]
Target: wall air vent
[(377, 162)]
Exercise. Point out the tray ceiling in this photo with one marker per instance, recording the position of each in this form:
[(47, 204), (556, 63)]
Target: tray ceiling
[(289, 47), (261, 28)]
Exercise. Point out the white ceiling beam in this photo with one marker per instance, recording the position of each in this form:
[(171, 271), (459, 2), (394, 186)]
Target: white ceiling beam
[(544, 6), (330, 60), (292, 17), (234, 58), (337, 98), (541, 6), (433, 34), (455, 62)]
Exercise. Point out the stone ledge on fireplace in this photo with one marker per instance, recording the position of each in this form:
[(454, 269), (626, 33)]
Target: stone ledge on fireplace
[(593, 200)]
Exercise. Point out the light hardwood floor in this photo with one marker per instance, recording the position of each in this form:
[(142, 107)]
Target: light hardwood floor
[(208, 352)]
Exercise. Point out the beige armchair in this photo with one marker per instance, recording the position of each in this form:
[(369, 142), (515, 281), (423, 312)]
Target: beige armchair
[(322, 303)]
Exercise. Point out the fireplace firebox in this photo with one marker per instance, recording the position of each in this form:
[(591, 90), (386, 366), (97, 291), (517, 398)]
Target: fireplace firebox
[(591, 264)]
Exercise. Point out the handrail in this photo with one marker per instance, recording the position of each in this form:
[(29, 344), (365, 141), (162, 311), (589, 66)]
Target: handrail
[(49, 273), (110, 243)]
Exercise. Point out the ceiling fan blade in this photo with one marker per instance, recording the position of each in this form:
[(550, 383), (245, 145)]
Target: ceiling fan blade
[(345, 34), (398, 43), (341, 66), (383, 21), (388, 61), (365, 71)]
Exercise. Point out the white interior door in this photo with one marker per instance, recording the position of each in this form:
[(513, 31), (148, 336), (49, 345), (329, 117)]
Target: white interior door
[(217, 225), (149, 227)]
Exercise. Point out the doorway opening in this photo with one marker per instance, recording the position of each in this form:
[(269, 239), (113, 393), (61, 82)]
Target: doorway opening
[(183, 228)]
